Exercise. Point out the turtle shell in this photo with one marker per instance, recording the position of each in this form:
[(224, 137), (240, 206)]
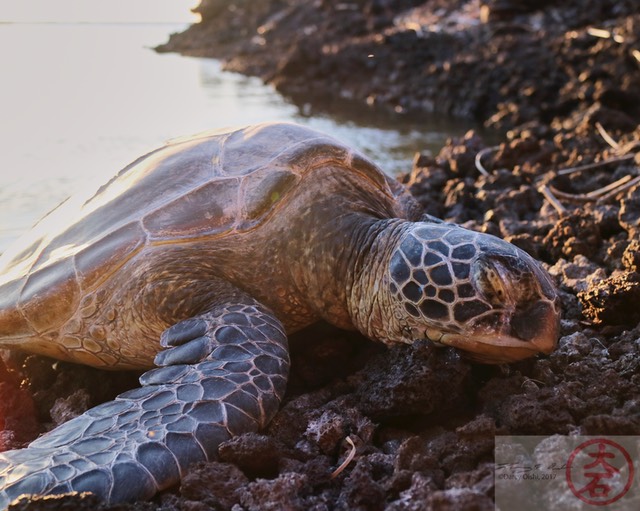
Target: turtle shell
[(204, 186)]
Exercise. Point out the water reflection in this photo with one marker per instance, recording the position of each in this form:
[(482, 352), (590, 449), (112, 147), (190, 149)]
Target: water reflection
[(79, 102), (241, 99)]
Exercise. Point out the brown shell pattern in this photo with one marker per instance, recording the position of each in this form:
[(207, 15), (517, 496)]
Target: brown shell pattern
[(193, 188)]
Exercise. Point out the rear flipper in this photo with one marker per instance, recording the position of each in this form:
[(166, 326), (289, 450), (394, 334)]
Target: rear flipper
[(224, 374)]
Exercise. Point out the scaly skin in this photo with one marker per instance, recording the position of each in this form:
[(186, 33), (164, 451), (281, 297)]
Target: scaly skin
[(455, 287), (223, 373)]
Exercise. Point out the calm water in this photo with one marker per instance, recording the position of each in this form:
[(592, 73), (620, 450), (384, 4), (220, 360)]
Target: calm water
[(79, 102)]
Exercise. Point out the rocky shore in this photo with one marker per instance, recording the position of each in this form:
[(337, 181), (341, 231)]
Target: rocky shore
[(500, 62), (562, 83)]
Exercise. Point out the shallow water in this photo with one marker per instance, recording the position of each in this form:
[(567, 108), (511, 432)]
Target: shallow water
[(80, 101)]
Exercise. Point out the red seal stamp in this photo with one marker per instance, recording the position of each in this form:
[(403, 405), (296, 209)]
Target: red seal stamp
[(599, 471)]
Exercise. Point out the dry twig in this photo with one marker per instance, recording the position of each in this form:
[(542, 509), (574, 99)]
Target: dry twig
[(595, 165), (553, 195), (479, 157), (605, 34), (607, 138), (347, 460), (601, 194), (548, 194), (620, 188), (579, 168)]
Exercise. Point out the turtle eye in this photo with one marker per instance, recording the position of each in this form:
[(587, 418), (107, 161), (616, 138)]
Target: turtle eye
[(489, 282)]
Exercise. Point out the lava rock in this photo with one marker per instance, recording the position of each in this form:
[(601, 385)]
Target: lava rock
[(613, 301), (214, 484), (574, 234)]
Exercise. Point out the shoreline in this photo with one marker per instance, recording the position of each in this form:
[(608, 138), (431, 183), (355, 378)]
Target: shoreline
[(501, 64)]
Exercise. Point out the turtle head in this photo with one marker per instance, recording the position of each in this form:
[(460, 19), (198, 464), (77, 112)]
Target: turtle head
[(472, 291)]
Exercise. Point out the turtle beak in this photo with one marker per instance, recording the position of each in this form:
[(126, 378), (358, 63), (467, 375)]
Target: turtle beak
[(538, 325), (529, 332)]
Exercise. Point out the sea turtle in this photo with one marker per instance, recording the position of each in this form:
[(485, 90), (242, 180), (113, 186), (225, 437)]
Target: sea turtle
[(197, 259)]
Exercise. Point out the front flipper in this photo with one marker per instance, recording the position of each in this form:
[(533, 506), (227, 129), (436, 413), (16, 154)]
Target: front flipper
[(223, 374)]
